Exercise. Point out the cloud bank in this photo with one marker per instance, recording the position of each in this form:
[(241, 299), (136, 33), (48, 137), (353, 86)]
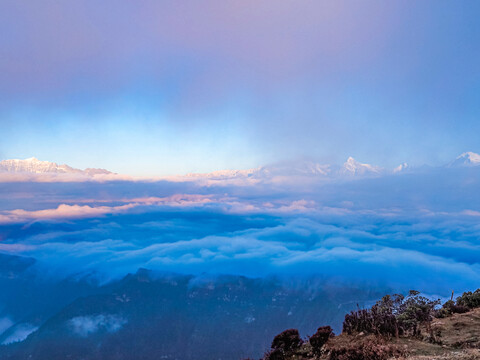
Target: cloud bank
[(412, 230)]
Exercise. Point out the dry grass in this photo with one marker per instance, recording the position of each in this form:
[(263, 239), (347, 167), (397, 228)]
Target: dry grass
[(458, 338), (469, 354), (460, 330)]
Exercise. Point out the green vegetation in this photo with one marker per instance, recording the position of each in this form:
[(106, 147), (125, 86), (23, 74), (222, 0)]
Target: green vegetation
[(285, 345), (468, 301), (393, 316), (397, 326)]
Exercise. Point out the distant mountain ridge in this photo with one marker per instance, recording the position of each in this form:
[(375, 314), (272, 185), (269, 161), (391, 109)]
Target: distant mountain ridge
[(33, 165), (275, 172), (300, 169), (306, 168)]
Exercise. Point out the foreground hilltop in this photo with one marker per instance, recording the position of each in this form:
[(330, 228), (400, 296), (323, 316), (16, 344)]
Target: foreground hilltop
[(396, 327), (458, 338)]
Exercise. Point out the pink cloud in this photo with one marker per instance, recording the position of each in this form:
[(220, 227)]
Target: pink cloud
[(63, 211), (54, 177), (175, 200), (75, 211)]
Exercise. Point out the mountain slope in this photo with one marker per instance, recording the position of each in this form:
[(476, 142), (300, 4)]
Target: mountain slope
[(178, 317)]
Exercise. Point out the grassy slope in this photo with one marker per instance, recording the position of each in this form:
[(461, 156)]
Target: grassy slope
[(459, 336)]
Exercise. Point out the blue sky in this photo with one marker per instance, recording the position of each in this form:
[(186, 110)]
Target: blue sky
[(157, 87)]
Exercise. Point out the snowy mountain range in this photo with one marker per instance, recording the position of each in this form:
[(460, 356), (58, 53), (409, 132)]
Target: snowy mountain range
[(285, 170), (35, 166), (295, 169), (306, 168)]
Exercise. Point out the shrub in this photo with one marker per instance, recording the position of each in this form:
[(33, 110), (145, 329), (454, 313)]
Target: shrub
[(380, 319), (287, 340), (469, 300), (393, 316), (320, 338), (415, 311), (275, 354), (284, 344), (450, 308)]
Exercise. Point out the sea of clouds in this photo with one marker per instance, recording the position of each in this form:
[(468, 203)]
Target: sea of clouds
[(415, 230)]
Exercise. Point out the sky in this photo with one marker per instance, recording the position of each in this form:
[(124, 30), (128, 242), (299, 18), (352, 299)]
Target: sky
[(163, 87), (150, 88)]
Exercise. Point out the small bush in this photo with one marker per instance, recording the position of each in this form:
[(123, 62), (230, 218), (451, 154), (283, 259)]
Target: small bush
[(450, 308), (288, 340), (415, 311), (284, 345), (393, 316), (469, 300), (275, 354), (320, 338)]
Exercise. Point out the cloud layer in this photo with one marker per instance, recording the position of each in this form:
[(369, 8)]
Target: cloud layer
[(413, 230)]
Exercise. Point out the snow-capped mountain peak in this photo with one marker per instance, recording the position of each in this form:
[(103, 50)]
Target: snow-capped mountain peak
[(354, 167), (466, 159), (35, 166), (401, 167)]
